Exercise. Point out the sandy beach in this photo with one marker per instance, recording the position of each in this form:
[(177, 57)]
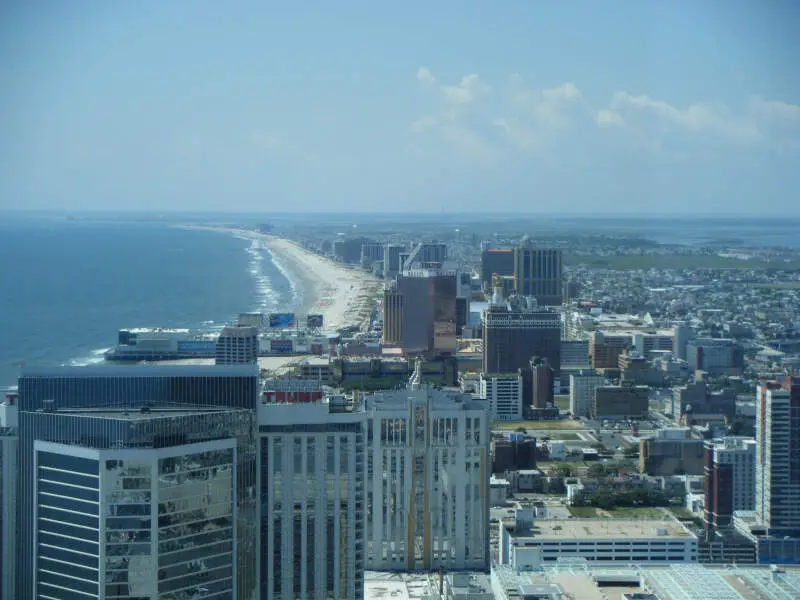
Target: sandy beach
[(345, 296)]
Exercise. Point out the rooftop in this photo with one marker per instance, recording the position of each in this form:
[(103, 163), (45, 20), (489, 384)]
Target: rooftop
[(568, 529), (139, 414)]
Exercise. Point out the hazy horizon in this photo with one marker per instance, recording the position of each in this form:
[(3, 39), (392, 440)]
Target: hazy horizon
[(551, 109)]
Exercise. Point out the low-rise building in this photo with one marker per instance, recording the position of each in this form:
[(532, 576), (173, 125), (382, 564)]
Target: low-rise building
[(527, 545), (625, 401), (671, 451), (503, 392), (581, 391)]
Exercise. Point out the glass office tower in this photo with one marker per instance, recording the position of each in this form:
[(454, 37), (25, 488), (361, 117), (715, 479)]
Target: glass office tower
[(137, 482)]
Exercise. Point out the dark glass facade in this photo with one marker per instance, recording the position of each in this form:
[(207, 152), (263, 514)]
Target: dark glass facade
[(80, 387), (138, 407)]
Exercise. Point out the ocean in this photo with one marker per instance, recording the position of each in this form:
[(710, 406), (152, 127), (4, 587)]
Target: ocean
[(67, 287)]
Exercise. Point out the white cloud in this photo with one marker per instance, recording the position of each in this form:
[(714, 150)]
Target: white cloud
[(425, 77), (488, 126), (566, 91), (608, 118), (468, 90)]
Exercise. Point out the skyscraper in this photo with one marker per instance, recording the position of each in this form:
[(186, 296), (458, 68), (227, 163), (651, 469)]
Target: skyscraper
[(427, 479), (515, 333), (9, 442), (778, 456), (311, 491), (420, 312), (237, 345), (496, 261), (730, 479), (538, 273), (542, 382), (112, 481), (74, 420)]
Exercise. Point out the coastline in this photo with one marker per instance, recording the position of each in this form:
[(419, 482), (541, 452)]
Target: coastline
[(345, 296)]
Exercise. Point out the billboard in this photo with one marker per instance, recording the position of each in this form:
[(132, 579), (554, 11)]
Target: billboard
[(281, 320), (314, 321)]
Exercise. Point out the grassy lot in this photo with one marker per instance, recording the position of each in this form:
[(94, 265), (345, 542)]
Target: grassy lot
[(583, 512), (645, 512), (674, 261), (783, 285), (681, 512), (564, 435), (564, 424), (562, 402)]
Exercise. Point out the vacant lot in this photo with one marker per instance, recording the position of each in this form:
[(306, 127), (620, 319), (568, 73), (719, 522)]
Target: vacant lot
[(563, 424)]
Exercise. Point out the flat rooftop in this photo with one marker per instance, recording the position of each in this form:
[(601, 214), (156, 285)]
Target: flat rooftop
[(570, 529), (385, 585), (673, 582), (136, 414)]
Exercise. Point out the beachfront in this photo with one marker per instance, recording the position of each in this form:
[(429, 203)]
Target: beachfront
[(345, 296)]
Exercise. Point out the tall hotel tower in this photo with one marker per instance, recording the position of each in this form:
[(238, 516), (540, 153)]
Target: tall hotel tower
[(427, 480), (137, 482), (777, 456), (538, 273), (311, 491)]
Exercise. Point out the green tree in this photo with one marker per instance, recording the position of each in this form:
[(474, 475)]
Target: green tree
[(597, 470)]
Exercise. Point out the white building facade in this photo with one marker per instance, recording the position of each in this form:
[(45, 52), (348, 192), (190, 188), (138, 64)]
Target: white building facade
[(311, 485), (428, 470), (504, 396), (581, 391)]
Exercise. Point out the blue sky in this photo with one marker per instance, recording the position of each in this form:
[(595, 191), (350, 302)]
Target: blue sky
[(541, 106)]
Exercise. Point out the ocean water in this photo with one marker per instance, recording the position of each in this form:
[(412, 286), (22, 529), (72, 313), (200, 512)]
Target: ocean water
[(66, 287)]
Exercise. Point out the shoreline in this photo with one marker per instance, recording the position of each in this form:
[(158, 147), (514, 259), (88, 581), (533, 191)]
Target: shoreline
[(344, 295)]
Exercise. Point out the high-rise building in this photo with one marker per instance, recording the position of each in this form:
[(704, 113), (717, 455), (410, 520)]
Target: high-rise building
[(581, 391), (419, 312), (515, 333), (237, 346), (371, 252), (99, 442), (428, 470), (496, 261), (111, 481), (503, 392), (391, 260), (682, 333), (542, 381), (9, 441), (730, 479), (312, 495), (426, 255), (574, 359), (778, 456), (538, 273)]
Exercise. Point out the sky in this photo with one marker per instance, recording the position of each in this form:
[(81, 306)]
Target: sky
[(464, 106)]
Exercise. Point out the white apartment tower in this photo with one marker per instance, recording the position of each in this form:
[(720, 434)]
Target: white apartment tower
[(311, 490), (427, 480), (581, 391), (777, 456), (503, 392)]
